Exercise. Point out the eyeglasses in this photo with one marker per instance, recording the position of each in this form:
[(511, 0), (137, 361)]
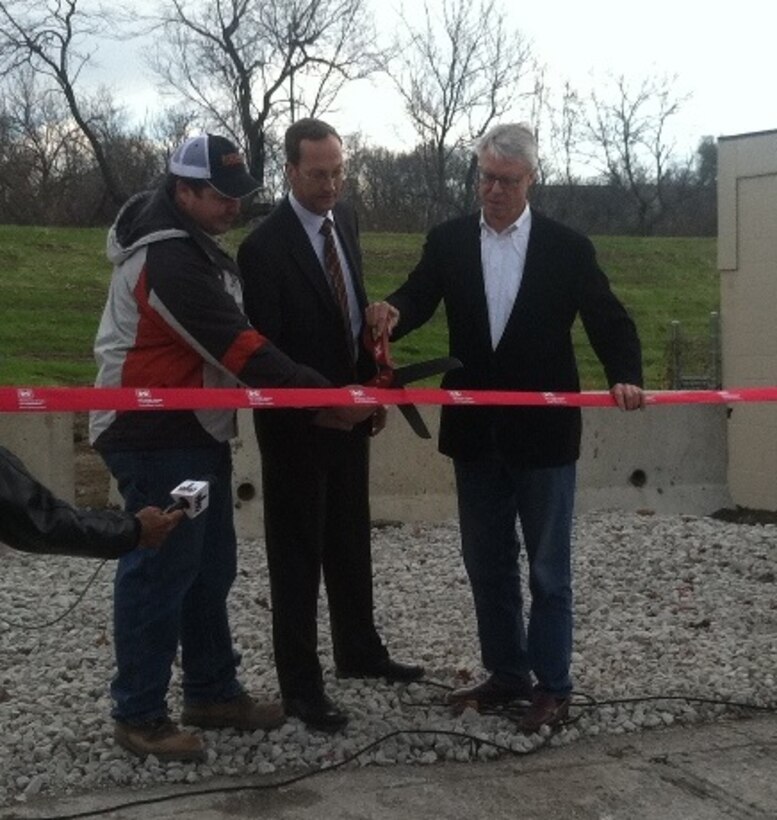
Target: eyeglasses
[(506, 183), (320, 177)]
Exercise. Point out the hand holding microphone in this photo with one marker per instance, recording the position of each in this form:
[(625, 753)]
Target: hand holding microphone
[(155, 524), (190, 499)]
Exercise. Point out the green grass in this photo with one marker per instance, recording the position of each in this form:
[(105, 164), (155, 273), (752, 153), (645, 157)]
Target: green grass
[(53, 283), (660, 280), (52, 288)]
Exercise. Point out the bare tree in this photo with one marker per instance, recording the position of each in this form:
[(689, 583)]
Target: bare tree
[(170, 127), (38, 146), (36, 137), (245, 63), (457, 74), (49, 38), (388, 189), (628, 128), (566, 136), (48, 172)]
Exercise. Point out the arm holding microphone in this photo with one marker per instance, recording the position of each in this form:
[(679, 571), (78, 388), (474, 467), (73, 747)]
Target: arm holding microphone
[(33, 519)]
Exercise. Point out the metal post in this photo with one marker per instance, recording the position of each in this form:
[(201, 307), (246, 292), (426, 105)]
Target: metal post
[(715, 374), (675, 357)]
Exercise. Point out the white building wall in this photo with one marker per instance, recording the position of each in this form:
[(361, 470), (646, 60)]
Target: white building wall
[(747, 258)]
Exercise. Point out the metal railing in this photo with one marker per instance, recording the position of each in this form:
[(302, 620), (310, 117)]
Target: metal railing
[(694, 362)]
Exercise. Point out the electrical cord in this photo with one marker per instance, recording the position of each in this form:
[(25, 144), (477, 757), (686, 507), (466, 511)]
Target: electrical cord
[(305, 775), (19, 625), (581, 700)]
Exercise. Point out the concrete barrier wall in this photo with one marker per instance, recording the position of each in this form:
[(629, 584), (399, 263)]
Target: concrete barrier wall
[(44, 442), (670, 459), (665, 459)]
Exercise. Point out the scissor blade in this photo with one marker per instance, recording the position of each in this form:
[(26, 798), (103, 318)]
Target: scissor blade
[(410, 412), (423, 370), (413, 372)]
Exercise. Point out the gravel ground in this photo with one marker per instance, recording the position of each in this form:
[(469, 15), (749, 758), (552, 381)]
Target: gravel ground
[(665, 605)]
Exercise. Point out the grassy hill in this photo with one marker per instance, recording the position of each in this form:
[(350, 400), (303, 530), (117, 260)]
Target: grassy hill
[(53, 283)]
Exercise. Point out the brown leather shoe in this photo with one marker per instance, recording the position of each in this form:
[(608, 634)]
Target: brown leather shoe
[(242, 712), (493, 691), (545, 710), (161, 738)]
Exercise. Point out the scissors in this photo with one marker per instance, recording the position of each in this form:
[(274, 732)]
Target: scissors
[(397, 377)]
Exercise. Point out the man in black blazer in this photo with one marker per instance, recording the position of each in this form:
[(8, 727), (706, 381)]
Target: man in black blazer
[(513, 282), (314, 470)]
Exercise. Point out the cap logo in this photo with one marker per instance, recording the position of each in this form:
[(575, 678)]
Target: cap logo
[(231, 160)]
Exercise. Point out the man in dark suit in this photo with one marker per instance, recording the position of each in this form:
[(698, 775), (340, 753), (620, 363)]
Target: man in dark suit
[(513, 282), (303, 290)]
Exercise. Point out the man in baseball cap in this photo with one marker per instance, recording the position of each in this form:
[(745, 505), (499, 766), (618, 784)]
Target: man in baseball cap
[(174, 318), (216, 159)]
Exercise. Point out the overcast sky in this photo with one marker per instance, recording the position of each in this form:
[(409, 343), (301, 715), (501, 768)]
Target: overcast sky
[(724, 56)]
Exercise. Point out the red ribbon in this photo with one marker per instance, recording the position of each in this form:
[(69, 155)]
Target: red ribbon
[(74, 399)]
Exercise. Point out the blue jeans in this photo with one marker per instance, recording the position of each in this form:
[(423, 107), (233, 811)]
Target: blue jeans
[(175, 593), (492, 494)]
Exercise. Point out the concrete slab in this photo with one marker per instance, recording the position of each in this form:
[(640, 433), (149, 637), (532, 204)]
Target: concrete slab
[(709, 772)]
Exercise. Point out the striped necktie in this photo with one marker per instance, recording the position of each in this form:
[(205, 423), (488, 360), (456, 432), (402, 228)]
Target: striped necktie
[(336, 276)]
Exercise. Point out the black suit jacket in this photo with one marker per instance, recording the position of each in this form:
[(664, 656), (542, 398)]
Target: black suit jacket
[(561, 280), (288, 298)]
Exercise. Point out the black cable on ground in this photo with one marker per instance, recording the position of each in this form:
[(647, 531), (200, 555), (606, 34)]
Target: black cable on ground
[(588, 702), (19, 625), (277, 784)]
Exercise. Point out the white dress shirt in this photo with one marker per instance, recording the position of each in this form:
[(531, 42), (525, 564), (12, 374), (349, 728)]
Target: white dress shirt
[(503, 256)]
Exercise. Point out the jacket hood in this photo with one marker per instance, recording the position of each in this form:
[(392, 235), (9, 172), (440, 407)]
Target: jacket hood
[(146, 218), (151, 217)]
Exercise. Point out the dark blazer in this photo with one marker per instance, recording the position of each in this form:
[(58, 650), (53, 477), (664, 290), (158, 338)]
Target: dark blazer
[(561, 280), (288, 298), (283, 278)]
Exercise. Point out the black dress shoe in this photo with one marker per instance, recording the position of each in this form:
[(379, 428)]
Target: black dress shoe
[(493, 691), (317, 712), (392, 671)]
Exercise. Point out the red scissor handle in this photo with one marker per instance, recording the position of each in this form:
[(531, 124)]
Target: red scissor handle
[(382, 356)]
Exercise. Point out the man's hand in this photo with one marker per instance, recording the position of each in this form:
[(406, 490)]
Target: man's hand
[(155, 524), (628, 396), (381, 317)]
